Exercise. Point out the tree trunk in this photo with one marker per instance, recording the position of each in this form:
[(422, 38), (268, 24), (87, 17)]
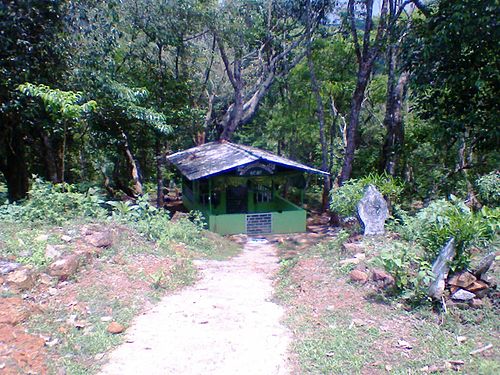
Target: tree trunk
[(393, 120), (159, 173), (321, 119), (14, 167), (357, 99), (133, 166), (49, 158)]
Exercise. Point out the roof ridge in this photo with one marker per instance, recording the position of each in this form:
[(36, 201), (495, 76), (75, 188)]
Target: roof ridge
[(243, 148)]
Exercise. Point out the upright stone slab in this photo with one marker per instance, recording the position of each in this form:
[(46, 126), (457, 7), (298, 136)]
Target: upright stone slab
[(372, 211), (440, 269)]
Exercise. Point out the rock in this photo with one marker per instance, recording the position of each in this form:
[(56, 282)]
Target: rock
[(440, 269), (386, 278), (360, 256), (7, 266), (42, 237), (115, 328), (462, 295), (358, 276), (353, 247), (14, 310), (476, 303), (462, 279), (20, 279), (178, 216), (66, 238), (349, 261), (372, 210), (65, 267), (52, 252), (45, 279), (358, 322), (100, 239), (106, 318), (53, 291), (477, 286), (484, 265)]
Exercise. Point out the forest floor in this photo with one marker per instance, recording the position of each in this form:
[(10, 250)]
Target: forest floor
[(285, 305)]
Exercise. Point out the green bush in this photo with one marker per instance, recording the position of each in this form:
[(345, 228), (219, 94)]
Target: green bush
[(155, 225), (488, 187), (54, 204), (434, 225), (412, 274), (345, 198)]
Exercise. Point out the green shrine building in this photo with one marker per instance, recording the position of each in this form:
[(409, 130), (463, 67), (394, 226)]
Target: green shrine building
[(237, 188)]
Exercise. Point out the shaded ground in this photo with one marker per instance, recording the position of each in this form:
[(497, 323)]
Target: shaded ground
[(225, 324)]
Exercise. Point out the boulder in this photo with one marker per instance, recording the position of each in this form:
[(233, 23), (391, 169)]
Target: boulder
[(65, 267), (178, 216), (353, 247), (115, 328), (477, 286), (462, 295), (20, 279), (52, 251), (462, 279), (8, 266), (373, 211), (440, 269), (484, 265), (358, 276), (99, 239), (383, 277)]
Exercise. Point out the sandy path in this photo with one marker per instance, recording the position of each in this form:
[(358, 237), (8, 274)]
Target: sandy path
[(225, 324)]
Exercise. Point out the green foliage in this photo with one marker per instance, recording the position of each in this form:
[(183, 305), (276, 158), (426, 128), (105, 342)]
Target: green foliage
[(345, 198), (458, 42), (412, 274), (60, 103), (434, 225), (155, 225), (55, 204), (488, 187)]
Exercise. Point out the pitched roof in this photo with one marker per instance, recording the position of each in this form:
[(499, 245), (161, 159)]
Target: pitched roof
[(217, 157)]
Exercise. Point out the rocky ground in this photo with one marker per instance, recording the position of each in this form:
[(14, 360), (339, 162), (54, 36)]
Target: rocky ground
[(61, 318)]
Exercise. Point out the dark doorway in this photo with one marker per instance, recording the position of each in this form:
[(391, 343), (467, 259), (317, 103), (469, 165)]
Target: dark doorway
[(237, 199)]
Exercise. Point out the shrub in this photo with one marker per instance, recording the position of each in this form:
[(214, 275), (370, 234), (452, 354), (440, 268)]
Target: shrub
[(156, 225), (488, 187), (55, 204), (412, 274), (345, 198), (433, 226)]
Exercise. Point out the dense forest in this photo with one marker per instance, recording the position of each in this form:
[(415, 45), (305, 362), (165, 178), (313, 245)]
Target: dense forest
[(97, 93)]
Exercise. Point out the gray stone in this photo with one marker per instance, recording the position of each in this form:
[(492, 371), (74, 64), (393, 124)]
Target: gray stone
[(52, 251), (462, 295), (7, 267), (440, 269), (484, 265), (372, 210)]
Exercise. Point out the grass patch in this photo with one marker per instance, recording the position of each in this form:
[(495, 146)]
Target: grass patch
[(327, 342)]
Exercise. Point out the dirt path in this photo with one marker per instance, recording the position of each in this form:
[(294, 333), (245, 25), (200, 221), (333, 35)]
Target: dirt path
[(225, 324)]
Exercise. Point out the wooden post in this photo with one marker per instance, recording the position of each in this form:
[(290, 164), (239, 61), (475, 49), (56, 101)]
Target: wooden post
[(210, 196)]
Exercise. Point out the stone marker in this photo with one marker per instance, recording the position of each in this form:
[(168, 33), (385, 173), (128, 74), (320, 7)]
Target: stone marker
[(484, 265), (440, 269), (372, 210)]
